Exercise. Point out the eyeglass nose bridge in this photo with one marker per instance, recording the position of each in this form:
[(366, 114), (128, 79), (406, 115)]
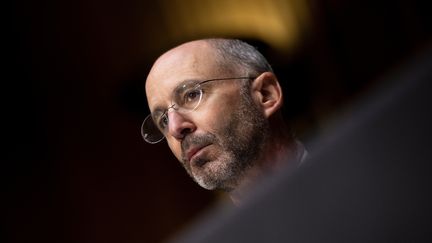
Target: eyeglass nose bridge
[(173, 106), (178, 109)]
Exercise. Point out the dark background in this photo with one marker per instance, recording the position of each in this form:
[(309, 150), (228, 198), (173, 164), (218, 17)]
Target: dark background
[(75, 166)]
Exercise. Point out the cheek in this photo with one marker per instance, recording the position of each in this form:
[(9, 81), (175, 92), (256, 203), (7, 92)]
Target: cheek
[(212, 119), (218, 112)]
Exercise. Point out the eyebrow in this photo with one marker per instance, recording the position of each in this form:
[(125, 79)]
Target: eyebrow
[(186, 82), (179, 88)]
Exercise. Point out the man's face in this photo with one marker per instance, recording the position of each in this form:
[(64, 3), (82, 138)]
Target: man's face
[(219, 140)]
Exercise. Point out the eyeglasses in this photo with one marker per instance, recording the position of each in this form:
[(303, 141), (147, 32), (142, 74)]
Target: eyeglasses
[(186, 98)]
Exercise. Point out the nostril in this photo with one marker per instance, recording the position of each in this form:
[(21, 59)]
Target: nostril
[(186, 131)]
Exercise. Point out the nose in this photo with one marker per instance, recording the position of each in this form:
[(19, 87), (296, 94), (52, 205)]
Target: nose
[(178, 125)]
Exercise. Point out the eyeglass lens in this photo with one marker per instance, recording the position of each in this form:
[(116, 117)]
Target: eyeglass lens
[(187, 98)]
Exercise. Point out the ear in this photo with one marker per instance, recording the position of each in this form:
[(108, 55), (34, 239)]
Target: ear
[(268, 93)]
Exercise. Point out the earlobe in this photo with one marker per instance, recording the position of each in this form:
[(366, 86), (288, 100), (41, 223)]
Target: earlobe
[(268, 93)]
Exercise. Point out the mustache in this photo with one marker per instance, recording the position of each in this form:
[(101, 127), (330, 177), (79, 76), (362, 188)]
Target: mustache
[(196, 140)]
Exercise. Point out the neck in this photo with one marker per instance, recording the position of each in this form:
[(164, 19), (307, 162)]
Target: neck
[(282, 151)]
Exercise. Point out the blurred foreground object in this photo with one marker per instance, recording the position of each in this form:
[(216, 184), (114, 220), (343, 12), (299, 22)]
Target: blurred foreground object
[(368, 180)]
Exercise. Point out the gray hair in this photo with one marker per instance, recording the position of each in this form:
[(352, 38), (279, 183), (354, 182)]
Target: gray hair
[(236, 54)]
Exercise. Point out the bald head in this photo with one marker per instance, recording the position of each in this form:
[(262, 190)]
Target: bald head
[(183, 58), (230, 55)]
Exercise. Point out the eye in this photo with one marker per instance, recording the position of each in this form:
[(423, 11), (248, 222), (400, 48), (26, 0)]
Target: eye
[(163, 122), (191, 96)]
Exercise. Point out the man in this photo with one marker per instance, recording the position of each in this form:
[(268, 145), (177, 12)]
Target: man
[(218, 104)]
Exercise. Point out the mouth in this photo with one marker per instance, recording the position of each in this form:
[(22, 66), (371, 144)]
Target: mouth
[(194, 152)]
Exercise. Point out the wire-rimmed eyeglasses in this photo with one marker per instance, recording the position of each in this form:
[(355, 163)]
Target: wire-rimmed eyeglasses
[(186, 98)]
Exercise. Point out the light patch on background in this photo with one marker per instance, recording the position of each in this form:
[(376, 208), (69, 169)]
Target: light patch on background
[(278, 23)]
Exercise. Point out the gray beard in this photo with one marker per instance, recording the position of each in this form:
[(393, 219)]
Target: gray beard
[(241, 141)]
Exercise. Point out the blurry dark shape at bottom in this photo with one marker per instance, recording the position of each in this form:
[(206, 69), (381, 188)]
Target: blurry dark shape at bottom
[(368, 180)]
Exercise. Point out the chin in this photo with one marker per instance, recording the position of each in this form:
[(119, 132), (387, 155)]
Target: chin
[(205, 184), (212, 179), (207, 177)]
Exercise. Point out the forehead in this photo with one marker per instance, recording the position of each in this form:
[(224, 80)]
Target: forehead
[(192, 61)]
